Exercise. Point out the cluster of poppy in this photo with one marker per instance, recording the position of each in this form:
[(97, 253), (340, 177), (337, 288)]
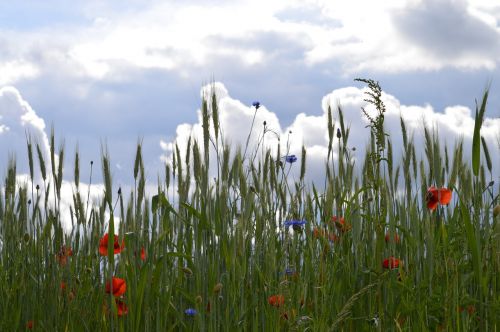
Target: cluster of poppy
[(340, 224), (117, 286), (391, 263)]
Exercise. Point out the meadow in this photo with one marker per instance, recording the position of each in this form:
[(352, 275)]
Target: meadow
[(387, 245)]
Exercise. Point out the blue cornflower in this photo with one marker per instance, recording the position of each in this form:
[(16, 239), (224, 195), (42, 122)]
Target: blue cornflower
[(290, 271), (291, 159), (256, 104), (190, 312), (298, 223)]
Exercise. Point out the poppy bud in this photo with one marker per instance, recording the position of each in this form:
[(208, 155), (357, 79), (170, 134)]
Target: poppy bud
[(26, 237), (217, 288), (198, 299), (37, 187), (496, 211), (339, 134), (187, 270)]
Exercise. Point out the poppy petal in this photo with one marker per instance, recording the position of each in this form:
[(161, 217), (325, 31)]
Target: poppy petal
[(444, 196)]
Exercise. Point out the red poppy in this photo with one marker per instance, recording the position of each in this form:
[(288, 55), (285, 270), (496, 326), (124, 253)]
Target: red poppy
[(30, 324), (208, 307), (437, 196), (121, 307), (341, 225), (103, 245), (63, 286), (143, 254), (318, 232), (391, 263), (471, 309), (276, 300), (388, 238), (119, 286), (63, 254)]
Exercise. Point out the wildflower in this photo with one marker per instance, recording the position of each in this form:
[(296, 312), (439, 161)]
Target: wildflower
[(62, 286), (294, 223), (208, 307), (341, 224), (119, 286), (339, 134), (190, 312), (121, 307), (187, 270), (437, 196), (217, 288), (143, 254), (496, 211), (256, 104), (30, 324), (471, 309), (291, 159), (318, 232), (321, 233), (103, 245), (391, 263), (388, 238), (276, 300), (63, 254), (290, 271)]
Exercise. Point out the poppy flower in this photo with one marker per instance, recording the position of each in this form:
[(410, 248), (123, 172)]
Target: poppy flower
[(276, 300), (103, 245), (30, 324), (437, 196), (291, 159), (62, 286), (208, 307), (395, 238), (321, 233), (119, 286), (471, 309), (391, 263), (143, 254), (341, 225), (63, 254), (121, 307)]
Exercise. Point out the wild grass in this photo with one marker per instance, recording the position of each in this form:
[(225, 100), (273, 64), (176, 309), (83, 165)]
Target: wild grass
[(221, 246)]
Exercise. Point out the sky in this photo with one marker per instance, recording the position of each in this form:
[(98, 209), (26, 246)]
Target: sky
[(112, 73)]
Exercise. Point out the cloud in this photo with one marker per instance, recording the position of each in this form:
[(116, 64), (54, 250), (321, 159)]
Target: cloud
[(448, 30), (456, 122), (18, 119)]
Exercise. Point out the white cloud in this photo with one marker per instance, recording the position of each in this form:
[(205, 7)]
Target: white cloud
[(311, 131), (386, 36), (18, 119), (14, 70)]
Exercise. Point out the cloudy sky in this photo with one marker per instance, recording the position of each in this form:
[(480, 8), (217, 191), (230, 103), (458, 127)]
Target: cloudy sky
[(115, 72)]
